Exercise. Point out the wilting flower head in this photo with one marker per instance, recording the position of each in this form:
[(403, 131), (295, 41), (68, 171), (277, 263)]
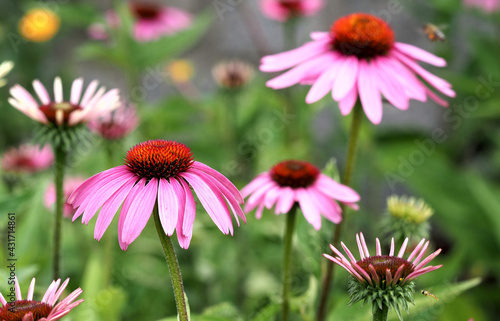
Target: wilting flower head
[(282, 10), (232, 74), (45, 310), (60, 112), (161, 172), (291, 182), (69, 186), (154, 20), (39, 25), (407, 217), (5, 68), (27, 159), (117, 124), (486, 5), (359, 58), (384, 279)]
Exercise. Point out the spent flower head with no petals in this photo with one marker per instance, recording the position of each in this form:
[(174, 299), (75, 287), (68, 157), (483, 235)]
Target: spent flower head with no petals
[(384, 280), (359, 58)]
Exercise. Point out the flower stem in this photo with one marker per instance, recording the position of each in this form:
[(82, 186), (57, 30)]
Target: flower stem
[(60, 164), (290, 226), (351, 159), (173, 266), (381, 315)]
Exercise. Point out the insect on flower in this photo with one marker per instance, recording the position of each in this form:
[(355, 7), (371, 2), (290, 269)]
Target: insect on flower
[(434, 33), (427, 293)]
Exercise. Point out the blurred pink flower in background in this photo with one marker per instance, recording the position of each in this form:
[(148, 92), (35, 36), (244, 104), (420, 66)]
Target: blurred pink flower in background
[(78, 109), (163, 173), (359, 58), (45, 310), (99, 30), (27, 159), (117, 124), (154, 20), (282, 10), (486, 5), (69, 186), (291, 182)]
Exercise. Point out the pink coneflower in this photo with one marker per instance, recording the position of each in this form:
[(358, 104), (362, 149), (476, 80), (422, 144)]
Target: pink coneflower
[(291, 182), (384, 279), (45, 310), (486, 5), (162, 170), (154, 20), (60, 112), (359, 58), (282, 10), (69, 186), (117, 124), (27, 159)]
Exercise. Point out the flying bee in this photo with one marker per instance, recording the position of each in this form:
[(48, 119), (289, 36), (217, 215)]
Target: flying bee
[(433, 32), (427, 293)]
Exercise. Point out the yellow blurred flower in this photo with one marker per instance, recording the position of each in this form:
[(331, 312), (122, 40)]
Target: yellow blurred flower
[(409, 209), (39, 25), (180, 71), (5, 68)]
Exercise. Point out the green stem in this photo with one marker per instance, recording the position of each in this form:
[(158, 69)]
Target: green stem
[(173, 266), (381, 315), (351, 159), (290, 226), (59, 166)]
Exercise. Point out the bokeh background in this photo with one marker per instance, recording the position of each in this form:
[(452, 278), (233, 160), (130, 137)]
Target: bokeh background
[(238, 278)]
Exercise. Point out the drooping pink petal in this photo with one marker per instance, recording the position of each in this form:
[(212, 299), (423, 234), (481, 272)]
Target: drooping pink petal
[(419, 54), (308, 207), (323, 85), (169, 207), (369, 94), (347, 76), (189, 211), (255, 184), (212, 201), (136, 211), (110, 208), (220, 179), (347, 103), (286, 200), (294, 57), (336, 190)]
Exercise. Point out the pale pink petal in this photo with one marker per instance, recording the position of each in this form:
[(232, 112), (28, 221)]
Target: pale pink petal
[(220, 179), (326, 205), (347, 103), (76, 91), (58, 90), (308, 207), (415, 250), (390, 90), (89, 92), (419, 54), (324, 83), (255, 184), (336, 190), (346, 79), (19, 295), (42, 93), (369, 94), (298, 73), (285, 201), (403, 248), (31, 290), (294, 57), (413, 87)]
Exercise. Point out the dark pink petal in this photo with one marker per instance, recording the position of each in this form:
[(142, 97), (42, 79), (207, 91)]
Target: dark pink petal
[(169, 208), (110, 208), (136, 211), (212, 201)]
